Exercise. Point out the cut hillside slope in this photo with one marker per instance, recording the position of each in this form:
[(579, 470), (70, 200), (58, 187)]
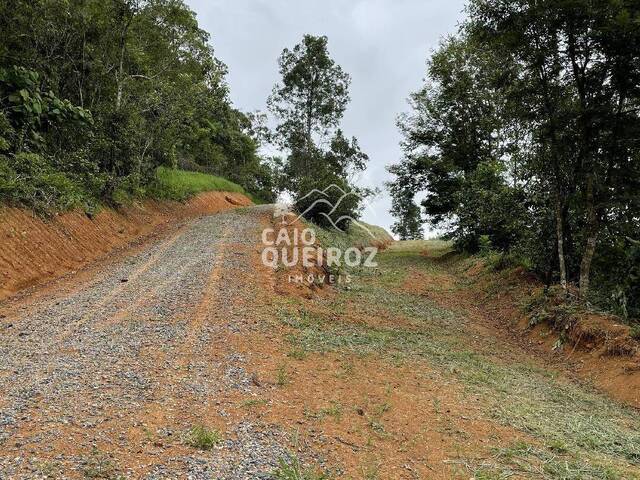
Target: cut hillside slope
[(513, 305), (35, 250)]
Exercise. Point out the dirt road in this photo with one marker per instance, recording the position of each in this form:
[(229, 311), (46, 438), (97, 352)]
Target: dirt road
[(181, 361), (104, 377)]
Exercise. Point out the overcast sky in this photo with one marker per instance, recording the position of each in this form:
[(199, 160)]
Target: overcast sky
[(382, 44)]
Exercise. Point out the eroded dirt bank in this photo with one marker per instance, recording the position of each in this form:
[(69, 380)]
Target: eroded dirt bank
[(34, 250)]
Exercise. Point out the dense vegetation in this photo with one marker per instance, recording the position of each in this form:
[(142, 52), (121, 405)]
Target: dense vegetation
[(526, 139), (95, 95), (309, 105)]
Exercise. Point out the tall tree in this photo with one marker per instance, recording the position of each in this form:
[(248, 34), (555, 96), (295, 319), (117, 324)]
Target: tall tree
[(309, 104), (310, 100), (146, 72)]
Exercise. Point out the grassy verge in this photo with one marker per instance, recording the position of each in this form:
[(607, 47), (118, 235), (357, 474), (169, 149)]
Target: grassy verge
[(362, 234), (577, 433), (28, 180), (181, 184)]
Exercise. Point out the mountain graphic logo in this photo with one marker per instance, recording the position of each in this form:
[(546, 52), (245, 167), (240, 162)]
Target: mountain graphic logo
[(324, 199)]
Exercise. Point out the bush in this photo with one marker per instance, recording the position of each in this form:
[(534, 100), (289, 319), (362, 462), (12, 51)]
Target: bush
[(28, 179), (203, 438)]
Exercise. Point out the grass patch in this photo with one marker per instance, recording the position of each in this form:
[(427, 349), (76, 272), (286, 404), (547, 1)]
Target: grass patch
[(292, 469), (253, 402), (334, 410), (282, 376), (100, 465), (584, 435), (173, 184), (362, 234), (522, 460), (203, 438), (297, 354)]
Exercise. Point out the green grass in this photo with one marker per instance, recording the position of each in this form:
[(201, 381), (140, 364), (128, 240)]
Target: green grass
[(282, 376), (203, 438), (354, 236), (253, 402), (292, 469), (180, 185), (582, 434)]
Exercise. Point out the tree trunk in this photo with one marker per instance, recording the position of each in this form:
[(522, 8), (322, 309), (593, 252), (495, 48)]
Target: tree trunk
[(560, 236), (591, 230), (120, 79)]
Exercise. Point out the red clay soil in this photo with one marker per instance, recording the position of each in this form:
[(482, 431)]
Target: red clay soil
[(34, 250)]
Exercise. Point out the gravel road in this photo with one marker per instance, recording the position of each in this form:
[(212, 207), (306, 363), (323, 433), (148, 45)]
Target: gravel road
[(104, 378)]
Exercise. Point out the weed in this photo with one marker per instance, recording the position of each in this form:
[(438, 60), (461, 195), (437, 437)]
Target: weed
[(378, 427), (346, 370), (635, 331), (148, 434), (49, 469), (292, 469), (253, 402), (203, 438), (100, 465), (282, 376), (297, 353), (381, 409), (371, 471), (333, 410)]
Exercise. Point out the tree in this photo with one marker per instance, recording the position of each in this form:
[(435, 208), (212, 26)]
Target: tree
[(311, 99), (309, 104), (147, 74), (579, 65), (526, 130)]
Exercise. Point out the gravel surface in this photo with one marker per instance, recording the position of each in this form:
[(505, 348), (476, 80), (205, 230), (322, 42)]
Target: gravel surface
[(84, 372)]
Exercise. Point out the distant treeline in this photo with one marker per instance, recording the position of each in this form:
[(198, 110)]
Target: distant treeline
[(96, 94), (525, 139)]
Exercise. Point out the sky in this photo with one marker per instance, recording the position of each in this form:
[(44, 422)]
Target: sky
[(382, 44)]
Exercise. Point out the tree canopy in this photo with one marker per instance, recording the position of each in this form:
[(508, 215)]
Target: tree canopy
[(143, 76), (525, 135)]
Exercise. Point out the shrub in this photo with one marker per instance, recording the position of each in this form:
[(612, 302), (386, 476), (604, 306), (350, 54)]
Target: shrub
[(28, 179), (328, 201)]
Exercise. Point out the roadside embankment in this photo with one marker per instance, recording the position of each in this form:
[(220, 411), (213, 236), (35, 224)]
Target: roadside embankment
[(35, 250)]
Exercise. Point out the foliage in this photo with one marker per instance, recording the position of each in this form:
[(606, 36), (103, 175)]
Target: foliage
[(29, 179), (328, 201), (309, 105), (526, 132), (110, 90), (313, 95)]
